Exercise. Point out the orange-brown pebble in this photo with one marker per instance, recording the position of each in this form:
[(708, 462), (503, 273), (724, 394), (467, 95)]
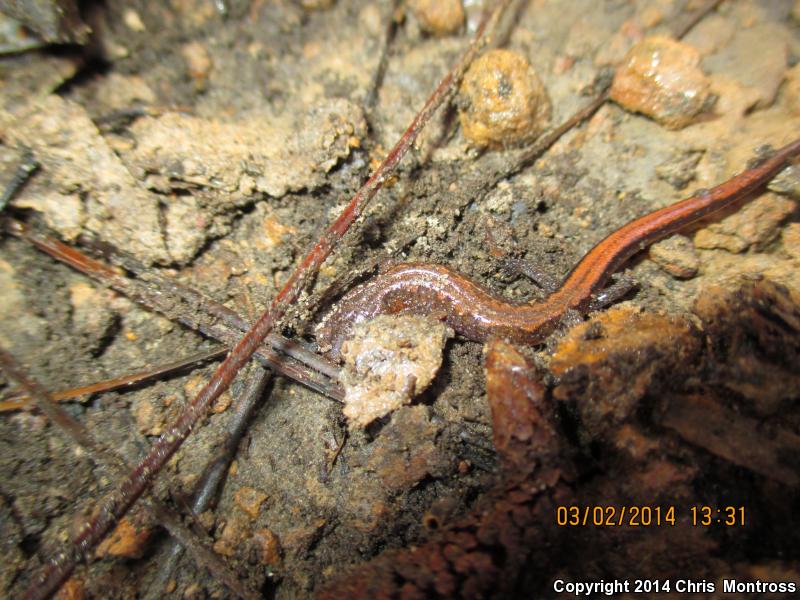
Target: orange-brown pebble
[(502, 101), (677, 256), (438, 17), (198, 62), (269, 547), (250, 500), (233, 535), (661, 78), (72, 589), (128, 540)]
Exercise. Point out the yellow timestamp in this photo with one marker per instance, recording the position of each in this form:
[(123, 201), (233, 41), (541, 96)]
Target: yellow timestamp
[(728, 516), (614, 516), (649, 516)]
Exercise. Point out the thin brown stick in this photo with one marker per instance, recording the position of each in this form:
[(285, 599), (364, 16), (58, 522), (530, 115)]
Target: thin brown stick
[(118, 503), (681, 28), (108, 459), (126, 381), (64, 421), (213, 478), (386, 40), (192, 309)]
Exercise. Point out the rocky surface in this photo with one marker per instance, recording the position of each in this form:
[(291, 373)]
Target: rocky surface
[(214, 141)]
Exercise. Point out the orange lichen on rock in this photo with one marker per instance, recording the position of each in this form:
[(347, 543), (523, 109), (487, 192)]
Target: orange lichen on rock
[(502, 101), (661, 78)]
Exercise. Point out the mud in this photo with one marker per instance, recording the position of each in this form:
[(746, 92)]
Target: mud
[(215, 146)]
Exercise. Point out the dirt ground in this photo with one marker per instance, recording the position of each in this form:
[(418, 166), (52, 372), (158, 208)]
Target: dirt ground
[(258, 129)]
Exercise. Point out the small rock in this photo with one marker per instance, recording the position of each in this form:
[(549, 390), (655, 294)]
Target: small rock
[(679, 169), (84, 171), (387, 361), (438, 17), (54, 22), (677, 256), (787, 182), (791, 240), (71, 589), (405, 452), (292, 151), (269, 547), (128, 540), (64, 213), (756, 224), (661, 78), (233, 535), (193, 592), (133, 21), (198, 63), (502, 101), (250, 500)]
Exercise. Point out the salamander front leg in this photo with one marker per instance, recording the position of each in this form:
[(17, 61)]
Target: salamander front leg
[(615, 292), (516, 266)]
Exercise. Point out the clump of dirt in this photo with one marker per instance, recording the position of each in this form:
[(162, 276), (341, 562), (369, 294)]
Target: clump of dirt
[(387, 362)]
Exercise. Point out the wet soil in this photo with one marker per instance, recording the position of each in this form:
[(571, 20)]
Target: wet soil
[(257, 129)]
